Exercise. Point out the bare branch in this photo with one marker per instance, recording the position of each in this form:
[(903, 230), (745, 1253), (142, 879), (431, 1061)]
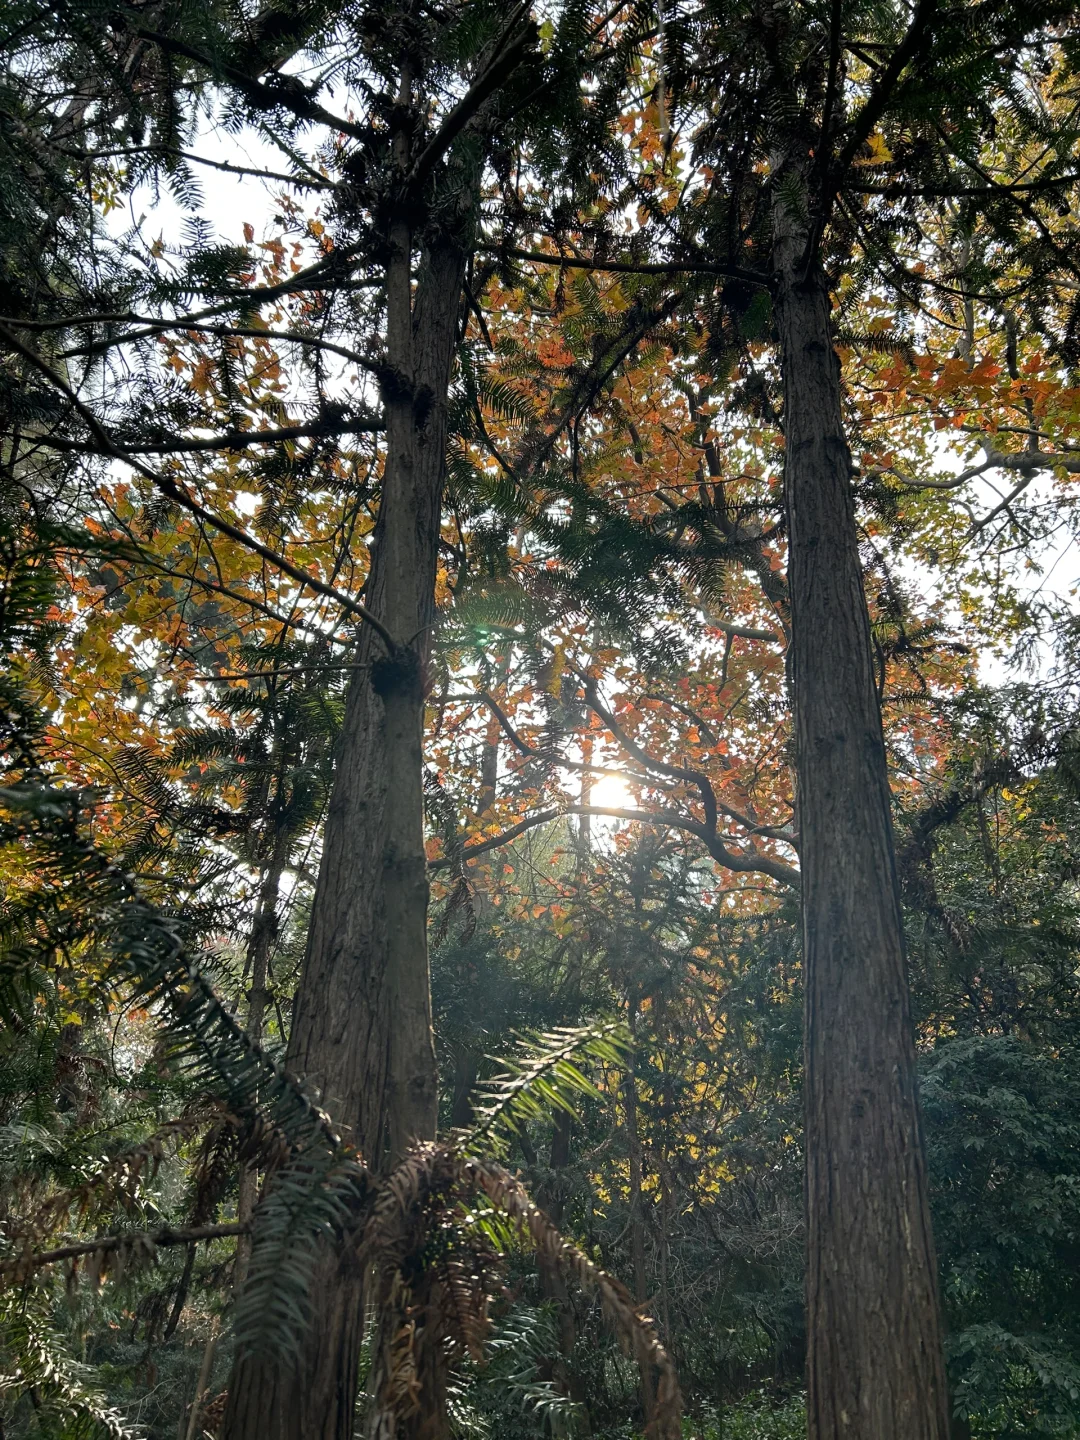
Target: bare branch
[(147, 1240), (170, 151), (885, 86), (628, 267), (744, 632), (962, 192), (744, 863), (251, 332), (284, 92), (509, 55), (231, 440), (328, 270), (1029, 462), (495, 842)]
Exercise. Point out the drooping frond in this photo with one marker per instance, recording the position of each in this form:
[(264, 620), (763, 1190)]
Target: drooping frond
[(316, 1181)]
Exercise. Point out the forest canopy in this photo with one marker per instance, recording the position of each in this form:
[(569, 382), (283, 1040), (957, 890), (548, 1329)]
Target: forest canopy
[(539, 739)]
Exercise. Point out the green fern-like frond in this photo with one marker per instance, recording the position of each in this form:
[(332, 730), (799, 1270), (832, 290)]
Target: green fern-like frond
[(545, 1076), (316, 1181), (35, 1361)]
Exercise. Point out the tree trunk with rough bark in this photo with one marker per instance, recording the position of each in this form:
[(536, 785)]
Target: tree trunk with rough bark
[(489, 766), (637, 1207), (875, 1368), (551, 1196), (361, 1033), (264, 931)]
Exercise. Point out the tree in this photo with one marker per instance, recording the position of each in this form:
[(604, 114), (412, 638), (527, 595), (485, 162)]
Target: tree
[(828, 88), (752, 257), (783, 206), (412, 176)]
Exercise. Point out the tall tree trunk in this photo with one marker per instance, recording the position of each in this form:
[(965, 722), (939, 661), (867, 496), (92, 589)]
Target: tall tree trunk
[(489, 766), (637, 1208), (875, 1368), (361, 1033), (264, 931), (583, 837), (466, 1070)]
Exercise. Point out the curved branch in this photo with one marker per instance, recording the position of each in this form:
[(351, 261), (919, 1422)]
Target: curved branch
[(744, 632), (706, 832), (495, 842), (884, 87), (743, 863), (284, 92), (661, 767), (628, 267), (227, 332), (329, 269), (510, 52), (1028, 462)]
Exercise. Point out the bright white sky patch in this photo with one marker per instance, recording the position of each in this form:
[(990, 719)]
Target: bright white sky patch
[(612, 792)]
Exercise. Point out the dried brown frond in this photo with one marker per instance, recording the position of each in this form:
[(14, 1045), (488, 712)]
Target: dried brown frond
[(464, 1297), (215, 1164), (214, 1413), (436, 1276), (635, 1330), (117, 1182), (434, 1270)]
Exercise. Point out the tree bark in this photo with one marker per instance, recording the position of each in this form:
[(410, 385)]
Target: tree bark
[(264, 930), (637, 1207), (489, 766), (361, 1033), (466, 1068), (551, 1196), (874, 1368)]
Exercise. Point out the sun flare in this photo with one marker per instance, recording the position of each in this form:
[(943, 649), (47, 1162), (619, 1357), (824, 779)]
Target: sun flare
[(611, 792)]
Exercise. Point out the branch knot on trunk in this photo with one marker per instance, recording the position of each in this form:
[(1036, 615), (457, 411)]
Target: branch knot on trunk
[(399, 673)]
